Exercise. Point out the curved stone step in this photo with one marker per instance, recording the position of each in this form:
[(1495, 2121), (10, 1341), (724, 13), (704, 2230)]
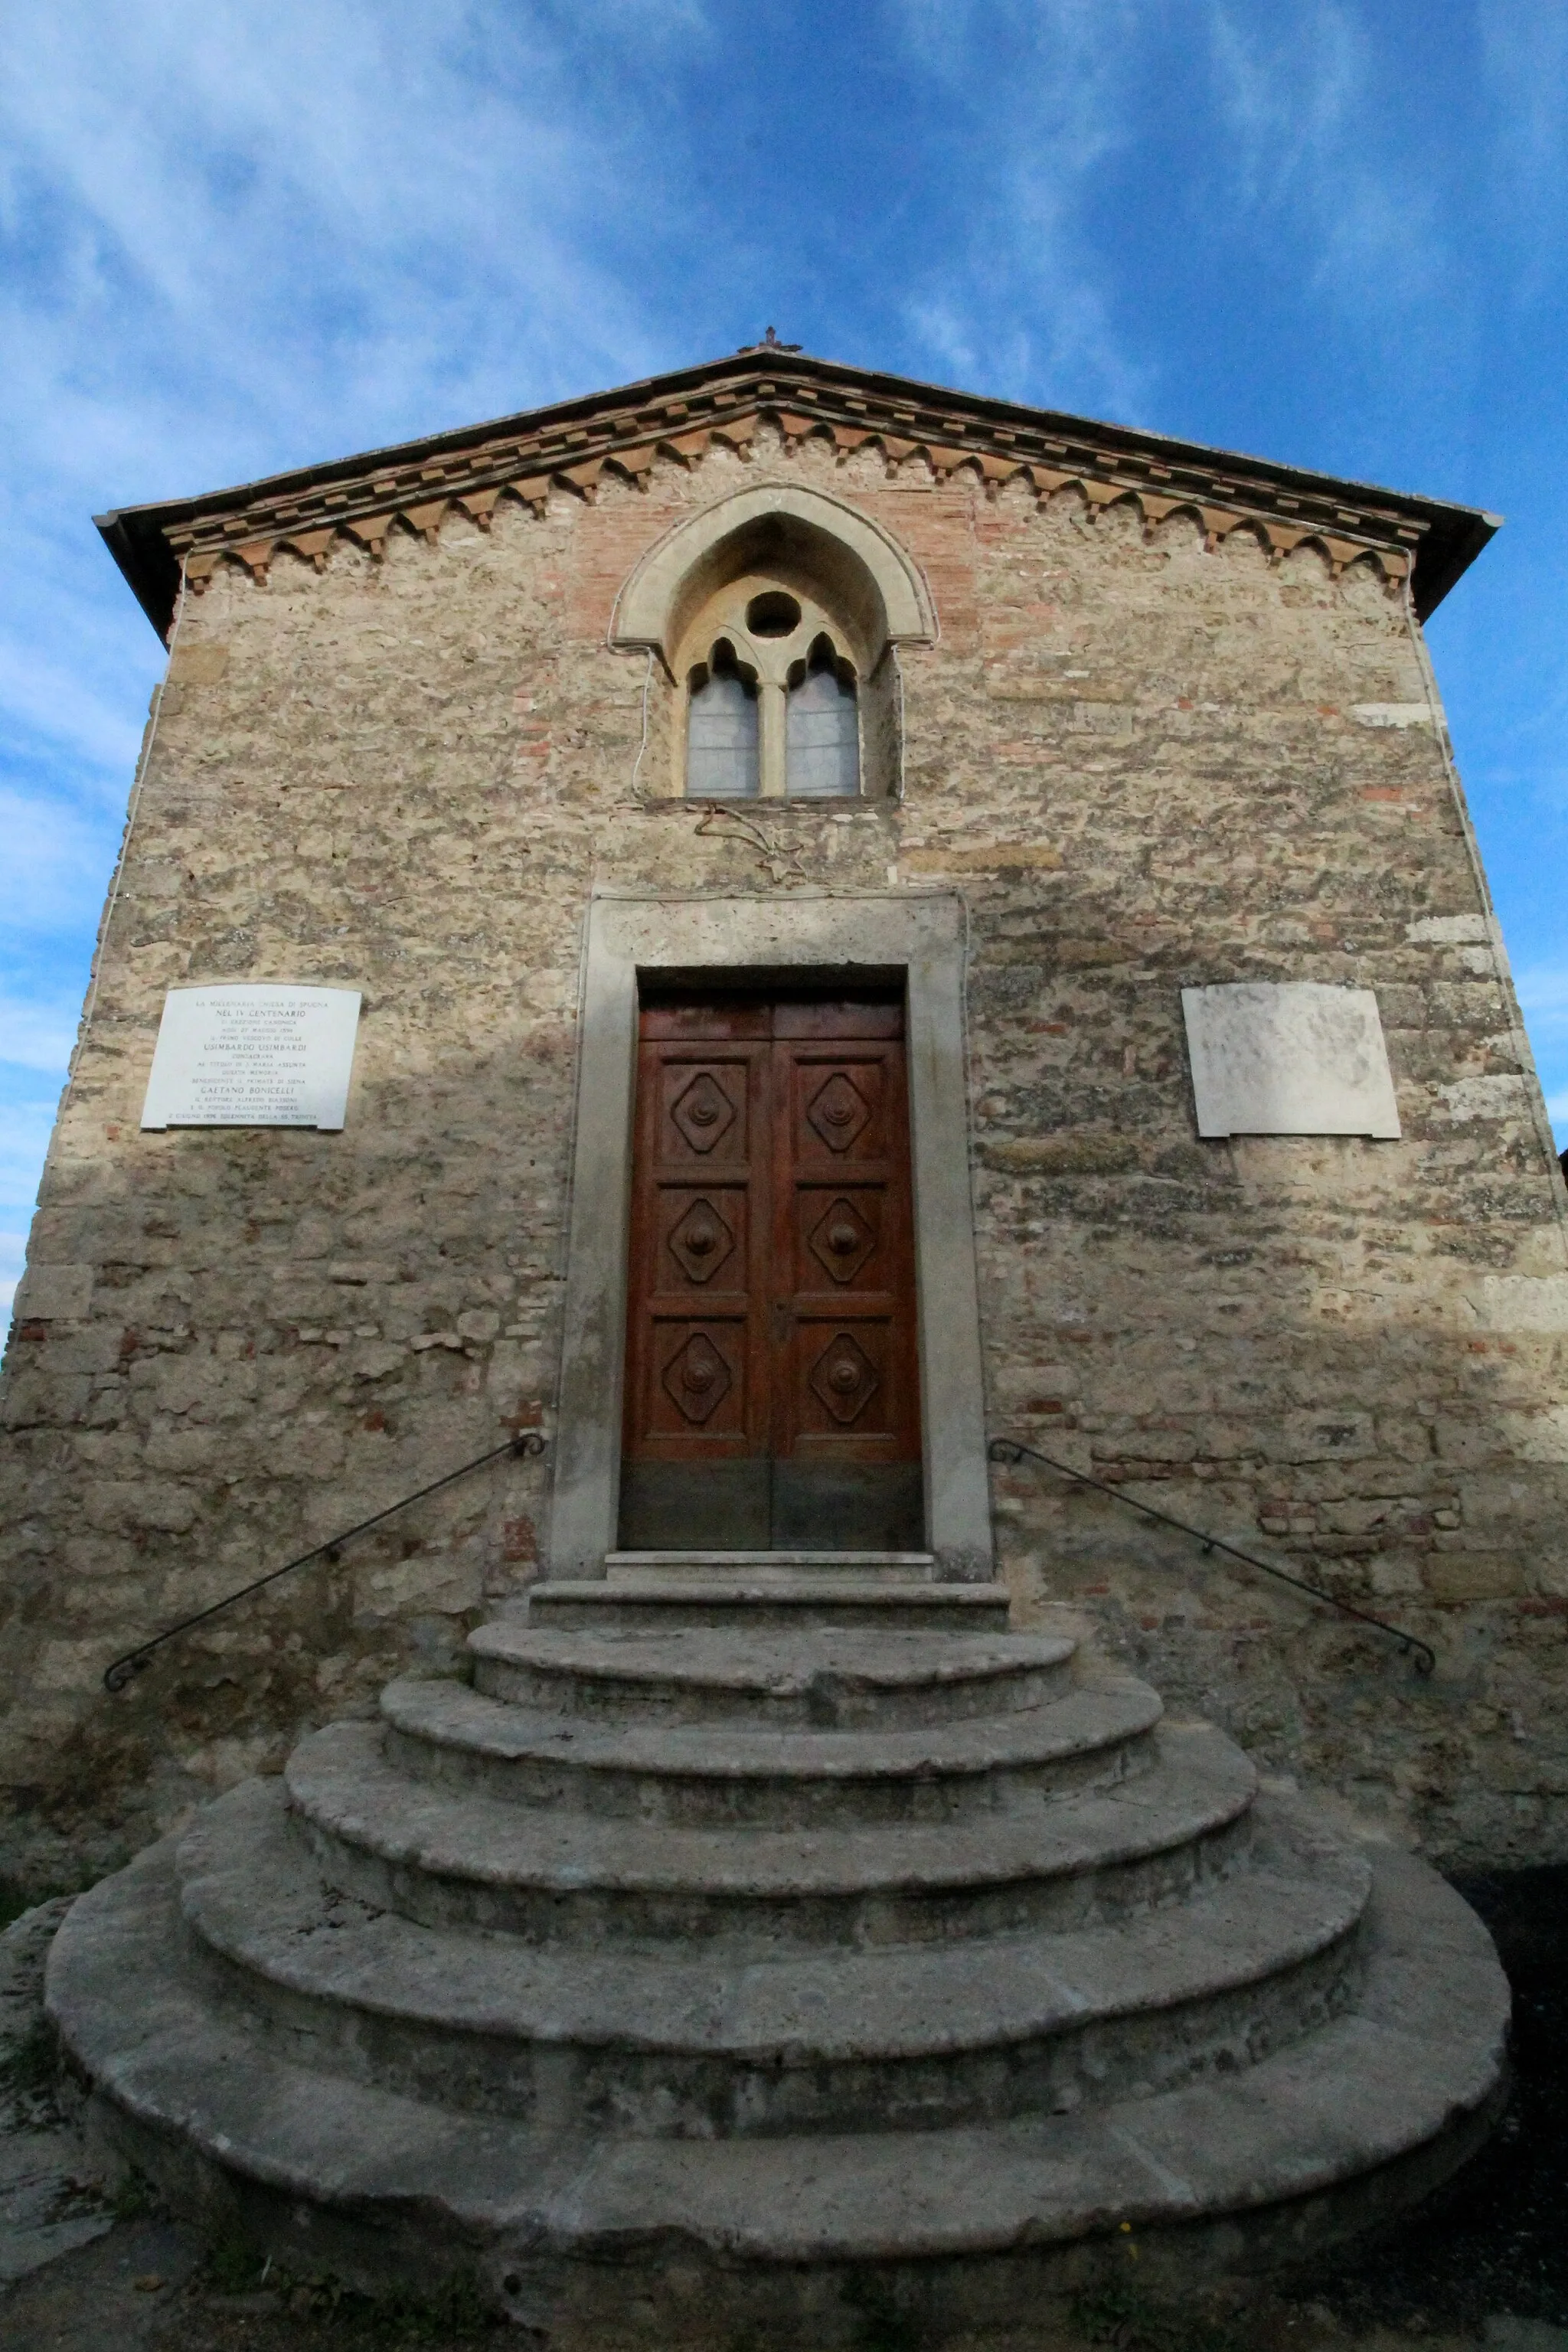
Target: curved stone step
[(443, 1733), (471, 1859), (905, 2038), (641, 1608), (602, 2229), (832, 1678)]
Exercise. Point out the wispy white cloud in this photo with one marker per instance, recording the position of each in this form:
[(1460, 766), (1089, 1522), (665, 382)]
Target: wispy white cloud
[(233, 239), (1543, 992), (1298, 101), (1524, 55), (13, 1255), (24, 1139), (59, 860), (36, 1036), (52, 701), (325, 208), (1040, 98)]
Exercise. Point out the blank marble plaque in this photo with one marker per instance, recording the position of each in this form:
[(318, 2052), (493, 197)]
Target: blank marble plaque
[(262, 1054), (1289, 1057)]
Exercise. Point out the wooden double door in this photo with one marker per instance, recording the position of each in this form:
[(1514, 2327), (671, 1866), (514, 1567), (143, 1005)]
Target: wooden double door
[(773, 1392)]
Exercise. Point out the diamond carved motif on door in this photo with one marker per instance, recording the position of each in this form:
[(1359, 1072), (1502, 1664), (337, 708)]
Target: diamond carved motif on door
[(701, 1242), (703, 1113), (696, 1379), (773, 1384), (843, 1379), (841, 1241), (838, 1112)]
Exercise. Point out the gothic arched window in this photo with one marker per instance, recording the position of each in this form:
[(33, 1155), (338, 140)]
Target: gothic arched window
[(722, 730), (822, 729), (776, 616), (772, 709)]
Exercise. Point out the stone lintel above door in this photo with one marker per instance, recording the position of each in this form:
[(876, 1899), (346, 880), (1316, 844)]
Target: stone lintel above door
[(914, 936)]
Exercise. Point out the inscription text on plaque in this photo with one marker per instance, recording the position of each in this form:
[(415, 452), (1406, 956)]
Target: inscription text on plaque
[(253, 1055)]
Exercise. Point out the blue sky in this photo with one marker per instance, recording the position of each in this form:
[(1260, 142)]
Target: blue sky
[(238, 238)]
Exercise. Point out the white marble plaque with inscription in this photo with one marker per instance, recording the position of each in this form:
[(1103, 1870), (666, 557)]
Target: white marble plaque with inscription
[(1289, 1057), (253, 1055)]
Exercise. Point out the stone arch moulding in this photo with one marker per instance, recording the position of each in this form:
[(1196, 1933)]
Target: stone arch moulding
[(879, 581), (918, 937)]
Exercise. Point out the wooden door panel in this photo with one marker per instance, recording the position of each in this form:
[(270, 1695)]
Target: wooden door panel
[(699, 1390), (699, 1252), (838, 1110), (773, 1377), (840, 1240), (704, 1112), (704, 1241), (846, 1252), (847, 1386)]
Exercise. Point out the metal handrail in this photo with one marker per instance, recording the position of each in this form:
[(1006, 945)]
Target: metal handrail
[(134, 1662), (1421, 1656)]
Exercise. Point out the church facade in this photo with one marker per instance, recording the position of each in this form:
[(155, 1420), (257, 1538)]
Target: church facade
[(881, 922)]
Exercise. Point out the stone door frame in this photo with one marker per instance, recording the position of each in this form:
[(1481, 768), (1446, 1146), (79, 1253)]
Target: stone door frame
[(914, 937)]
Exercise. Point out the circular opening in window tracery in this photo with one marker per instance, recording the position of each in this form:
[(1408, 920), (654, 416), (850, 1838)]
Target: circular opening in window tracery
[(772, 614)]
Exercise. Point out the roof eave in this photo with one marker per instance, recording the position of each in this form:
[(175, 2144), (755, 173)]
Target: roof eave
[(1449, 537)]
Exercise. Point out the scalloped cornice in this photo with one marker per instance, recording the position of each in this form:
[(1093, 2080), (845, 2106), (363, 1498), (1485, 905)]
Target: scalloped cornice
[(416, 487)]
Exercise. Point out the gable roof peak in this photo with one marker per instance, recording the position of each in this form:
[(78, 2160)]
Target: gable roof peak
[(686, 409)]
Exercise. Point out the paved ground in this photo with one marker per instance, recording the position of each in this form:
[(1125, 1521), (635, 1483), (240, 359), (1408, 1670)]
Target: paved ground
[(82, 2272)]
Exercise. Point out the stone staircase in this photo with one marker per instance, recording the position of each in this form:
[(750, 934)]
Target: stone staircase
[(759, 1942)]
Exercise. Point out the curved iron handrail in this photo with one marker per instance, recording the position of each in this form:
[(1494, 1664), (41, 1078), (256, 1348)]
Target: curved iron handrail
[(1421, 1656), (134, 1662)]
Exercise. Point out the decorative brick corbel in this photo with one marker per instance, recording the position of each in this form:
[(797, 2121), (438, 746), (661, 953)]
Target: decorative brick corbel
[(1156, 508), (848, 438), (738, 434), (428, 519), (1342, 552), (1101, 494), (371, 533), (637, 464), (1219, 523), (895, 451), (1283, 537), (311, 544), (199, 568), (256, 557), (685, 447), (583, 478), (480, 505), (994, 471), (534, 492)]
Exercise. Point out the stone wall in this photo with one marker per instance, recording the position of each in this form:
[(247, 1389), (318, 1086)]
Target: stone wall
[(1146, 764)]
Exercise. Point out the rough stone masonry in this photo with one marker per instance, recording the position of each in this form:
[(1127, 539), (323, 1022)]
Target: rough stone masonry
[(1159, 742)]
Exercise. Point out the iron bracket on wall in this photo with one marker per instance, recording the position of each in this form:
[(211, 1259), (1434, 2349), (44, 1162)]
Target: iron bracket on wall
[(134, 1662), (1421, 1656)]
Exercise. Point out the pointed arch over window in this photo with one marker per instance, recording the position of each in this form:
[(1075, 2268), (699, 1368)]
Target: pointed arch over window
[(822, 728), (816, 601), (722, 747)]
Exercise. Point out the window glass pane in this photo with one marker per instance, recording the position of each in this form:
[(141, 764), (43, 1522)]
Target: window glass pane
[(822, 741), (721, 740)]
